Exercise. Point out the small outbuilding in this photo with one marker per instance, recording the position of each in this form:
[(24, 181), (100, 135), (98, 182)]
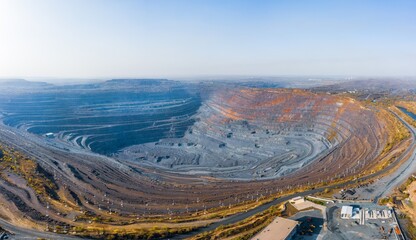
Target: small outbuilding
[(346, 212), (49, 135)]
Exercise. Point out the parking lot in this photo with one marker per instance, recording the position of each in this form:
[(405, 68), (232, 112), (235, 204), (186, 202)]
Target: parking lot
[(311, 224), (338, 228)]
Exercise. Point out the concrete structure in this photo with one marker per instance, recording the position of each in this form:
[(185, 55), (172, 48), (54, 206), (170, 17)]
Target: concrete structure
[(384, 214), (279, 229), (297, 200), (349, 212), (362, 217), (308, 205), (303, 205), (378, 214), (359, 225), (346, 212)]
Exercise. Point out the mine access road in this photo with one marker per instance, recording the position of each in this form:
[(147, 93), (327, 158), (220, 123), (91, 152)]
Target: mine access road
[(393, 180)]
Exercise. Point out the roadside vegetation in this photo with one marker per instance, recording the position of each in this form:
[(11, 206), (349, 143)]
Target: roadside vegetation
[(398, 131), (133, 233), (403, 199), (319, 202), (122, 227), (41, 181), (37, 177), (244, 229)]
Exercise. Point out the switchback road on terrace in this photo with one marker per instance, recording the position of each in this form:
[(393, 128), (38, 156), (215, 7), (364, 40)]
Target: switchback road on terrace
[(394, 181), (20, 142)]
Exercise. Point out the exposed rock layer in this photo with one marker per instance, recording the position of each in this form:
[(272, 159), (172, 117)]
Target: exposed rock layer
[(267, 133)]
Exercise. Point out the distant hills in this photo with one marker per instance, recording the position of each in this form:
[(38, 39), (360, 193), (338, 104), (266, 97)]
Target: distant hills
[(22, 83)]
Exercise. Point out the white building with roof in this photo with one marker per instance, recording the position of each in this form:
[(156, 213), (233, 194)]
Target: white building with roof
[(280, 228), (346, 212), (349, 212)]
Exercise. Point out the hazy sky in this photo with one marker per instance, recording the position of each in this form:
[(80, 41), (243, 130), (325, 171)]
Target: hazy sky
[(98, 38)]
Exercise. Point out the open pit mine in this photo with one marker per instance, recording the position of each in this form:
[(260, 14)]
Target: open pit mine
[(268, 133), (158, 159)]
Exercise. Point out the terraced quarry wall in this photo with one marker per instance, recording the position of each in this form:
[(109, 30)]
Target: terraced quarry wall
[(288, 139), (102, 121), (268, 133)]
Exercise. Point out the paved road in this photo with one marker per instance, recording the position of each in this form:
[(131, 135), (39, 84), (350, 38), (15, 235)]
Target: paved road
[(241, 216), (31, 234), (25, 233), (389, 183)]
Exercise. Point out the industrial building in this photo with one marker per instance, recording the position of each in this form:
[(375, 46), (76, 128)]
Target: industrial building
[(280, 228), (350, 212), (375, 214)]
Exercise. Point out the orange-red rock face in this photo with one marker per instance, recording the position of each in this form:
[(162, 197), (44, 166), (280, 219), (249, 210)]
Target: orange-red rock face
[(269, 133), (285, 137)]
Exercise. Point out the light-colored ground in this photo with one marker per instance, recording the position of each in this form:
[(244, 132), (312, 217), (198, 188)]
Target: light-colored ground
[(385, 185), (349, 229), (307, 204), (280, 228)]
